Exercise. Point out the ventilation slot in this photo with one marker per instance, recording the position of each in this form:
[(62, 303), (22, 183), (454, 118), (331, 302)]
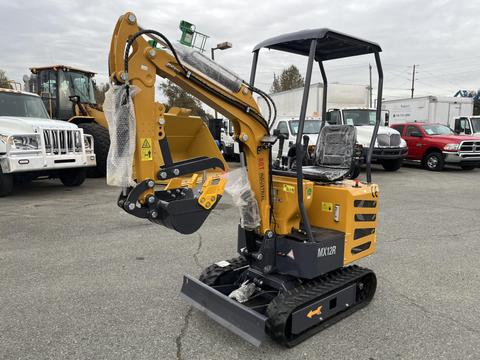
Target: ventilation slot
[(358, 249), (365, 203), (360, 233), (365, 217)]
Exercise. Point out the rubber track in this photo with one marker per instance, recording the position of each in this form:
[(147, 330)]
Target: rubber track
[(211, 274), (279, 311)]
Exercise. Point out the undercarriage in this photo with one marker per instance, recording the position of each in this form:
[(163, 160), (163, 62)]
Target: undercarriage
[(286, 308)]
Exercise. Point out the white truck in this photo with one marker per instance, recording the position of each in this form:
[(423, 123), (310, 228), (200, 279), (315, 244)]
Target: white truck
[(467, 125), (348, 105), (34, 146), (389, 150), (230, 148), (454, 112)]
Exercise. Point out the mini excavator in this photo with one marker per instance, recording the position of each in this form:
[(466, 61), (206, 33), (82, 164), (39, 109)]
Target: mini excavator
[(293, 275)]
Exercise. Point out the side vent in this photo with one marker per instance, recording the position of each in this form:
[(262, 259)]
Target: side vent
[(365, 203), (360, 248), (365, 217), (360, 233)]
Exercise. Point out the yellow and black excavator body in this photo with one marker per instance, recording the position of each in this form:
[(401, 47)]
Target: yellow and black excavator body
[(294, 274)]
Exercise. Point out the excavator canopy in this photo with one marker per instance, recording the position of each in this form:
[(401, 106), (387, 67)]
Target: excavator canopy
[(330, 44)]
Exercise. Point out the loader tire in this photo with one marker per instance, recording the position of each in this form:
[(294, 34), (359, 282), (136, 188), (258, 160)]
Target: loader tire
[(73, 177), (6, 184), (216, 274), (101, 141)]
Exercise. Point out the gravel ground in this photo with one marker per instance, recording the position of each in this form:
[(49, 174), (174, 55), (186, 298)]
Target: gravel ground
[(80, 279)]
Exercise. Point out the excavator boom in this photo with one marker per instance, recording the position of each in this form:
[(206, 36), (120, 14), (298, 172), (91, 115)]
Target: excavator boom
[(235, 102)]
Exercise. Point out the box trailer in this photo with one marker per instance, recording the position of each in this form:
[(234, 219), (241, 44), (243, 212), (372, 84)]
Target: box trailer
[(437, 109), (339, 96)]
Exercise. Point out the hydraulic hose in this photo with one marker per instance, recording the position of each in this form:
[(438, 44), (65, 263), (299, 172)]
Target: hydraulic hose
[(191, 76)]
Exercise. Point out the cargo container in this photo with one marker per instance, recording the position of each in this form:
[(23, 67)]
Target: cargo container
[(431, 109)]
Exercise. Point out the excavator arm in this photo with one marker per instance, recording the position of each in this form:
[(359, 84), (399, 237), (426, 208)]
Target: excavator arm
[(218, 89)]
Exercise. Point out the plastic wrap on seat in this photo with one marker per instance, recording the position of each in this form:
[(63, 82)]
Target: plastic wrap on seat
[(120, 115), (324, 173), (334, 153), (208, 67), (243, 197)]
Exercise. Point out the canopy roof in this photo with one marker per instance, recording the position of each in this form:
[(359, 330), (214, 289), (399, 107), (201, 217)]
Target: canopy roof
[(330, 44)]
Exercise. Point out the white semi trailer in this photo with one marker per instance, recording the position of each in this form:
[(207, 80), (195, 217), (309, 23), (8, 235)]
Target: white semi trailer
[(339, 96)]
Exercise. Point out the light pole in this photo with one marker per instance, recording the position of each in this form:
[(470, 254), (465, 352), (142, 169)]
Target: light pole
[(220, 46)]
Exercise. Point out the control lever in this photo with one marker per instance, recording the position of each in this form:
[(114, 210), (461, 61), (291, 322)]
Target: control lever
[(281, 142), (306, 140)]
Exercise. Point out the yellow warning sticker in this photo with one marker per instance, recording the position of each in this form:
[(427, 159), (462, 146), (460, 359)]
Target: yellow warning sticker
[(146, 150), (289, 188), (326, 206)]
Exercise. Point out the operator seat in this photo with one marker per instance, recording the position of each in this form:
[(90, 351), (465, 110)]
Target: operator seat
[(334, 154)]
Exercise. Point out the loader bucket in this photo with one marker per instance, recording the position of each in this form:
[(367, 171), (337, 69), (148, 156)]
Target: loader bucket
[(189, 137), (98, 115)]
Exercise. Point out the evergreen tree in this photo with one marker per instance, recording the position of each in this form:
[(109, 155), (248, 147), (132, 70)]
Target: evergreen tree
[(4, 80), (177, 97), (290, 78)]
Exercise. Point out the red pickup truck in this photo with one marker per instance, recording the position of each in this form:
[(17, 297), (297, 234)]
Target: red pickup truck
[(436, 145)]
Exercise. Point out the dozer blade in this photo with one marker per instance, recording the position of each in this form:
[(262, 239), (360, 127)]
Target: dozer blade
[(238, 318)]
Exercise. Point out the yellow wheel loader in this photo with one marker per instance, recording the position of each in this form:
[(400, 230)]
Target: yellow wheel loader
[(300, 230), (68, 94)]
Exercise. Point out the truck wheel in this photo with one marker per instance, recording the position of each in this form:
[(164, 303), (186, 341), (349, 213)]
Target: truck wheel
[(6, 184), (434, 161), (467, 167), (392, 165), (101, 139), (73, 177)]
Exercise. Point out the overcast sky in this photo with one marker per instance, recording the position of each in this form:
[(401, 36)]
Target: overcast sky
[(439, 35)]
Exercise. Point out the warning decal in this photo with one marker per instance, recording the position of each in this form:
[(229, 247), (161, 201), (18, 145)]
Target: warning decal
[(289, 188), (326, 206), (146, 150)]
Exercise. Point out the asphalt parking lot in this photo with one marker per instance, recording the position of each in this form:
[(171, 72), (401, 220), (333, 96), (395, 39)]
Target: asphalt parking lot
[(80, 279)]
